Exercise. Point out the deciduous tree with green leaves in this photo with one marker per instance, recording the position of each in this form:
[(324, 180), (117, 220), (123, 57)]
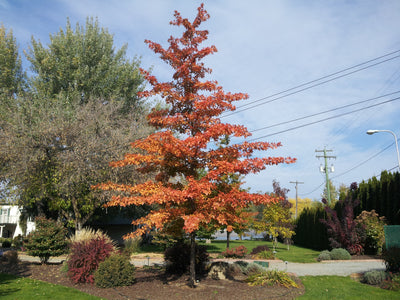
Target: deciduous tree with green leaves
[(81, 64), (82, 109), (188, 133), (12, 77), (276, 219)]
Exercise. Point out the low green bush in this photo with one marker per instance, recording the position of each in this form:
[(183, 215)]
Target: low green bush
[(5, 242), (391, 257), (374, 277), (324, 255), (272, 277), (340, 254), (116, 270), (252, 269), (266, 254)]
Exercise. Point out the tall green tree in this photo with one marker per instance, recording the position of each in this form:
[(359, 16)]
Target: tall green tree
[(12, 77), (81, 111), (82, 64)]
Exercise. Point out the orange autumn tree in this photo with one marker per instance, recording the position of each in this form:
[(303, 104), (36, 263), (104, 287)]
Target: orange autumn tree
[(183, 145)]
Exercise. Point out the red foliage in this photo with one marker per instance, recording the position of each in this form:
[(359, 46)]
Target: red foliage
[(85, 257), (343, 231), (238, 252), (183, 145)]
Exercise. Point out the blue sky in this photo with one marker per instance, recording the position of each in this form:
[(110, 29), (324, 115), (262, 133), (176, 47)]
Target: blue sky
[(264, 48)]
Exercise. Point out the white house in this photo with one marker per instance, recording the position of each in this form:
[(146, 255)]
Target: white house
[(9, 222)]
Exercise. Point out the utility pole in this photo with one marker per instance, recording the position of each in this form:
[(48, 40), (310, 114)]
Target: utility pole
[(326, 170), (297, 183)]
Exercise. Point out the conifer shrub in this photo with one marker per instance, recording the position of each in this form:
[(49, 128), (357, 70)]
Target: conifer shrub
[(324, 255), (391, 257), (178, 259), (374, 277), (48, 239), (116, 270), (85, 257), (340, 254)]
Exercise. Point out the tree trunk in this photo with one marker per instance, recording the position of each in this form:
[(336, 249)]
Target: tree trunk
[(227, 239), (192, 267)]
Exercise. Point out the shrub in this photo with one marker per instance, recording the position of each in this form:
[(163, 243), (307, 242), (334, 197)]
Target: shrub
[(5, 242), (132, 245), (178, 258), (10, 257), (238, 252), (87, 234), (252, 269), (259, 249), (85, 257), (116, 270), (17, 242), (392, 282), (340, 254), (271, 277), (391, 257), (324, 255), (266, 255), (49, 239), (374, 277), (341, 225), (371, 228)]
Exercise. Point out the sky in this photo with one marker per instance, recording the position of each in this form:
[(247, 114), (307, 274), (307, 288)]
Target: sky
[(276, 52)]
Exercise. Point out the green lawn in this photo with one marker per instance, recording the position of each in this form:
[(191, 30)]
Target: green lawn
[(294, 254), (13, 287), (337, 287)]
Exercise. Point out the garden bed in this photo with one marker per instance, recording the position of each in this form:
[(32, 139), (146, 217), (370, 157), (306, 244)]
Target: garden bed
[(152, 283)]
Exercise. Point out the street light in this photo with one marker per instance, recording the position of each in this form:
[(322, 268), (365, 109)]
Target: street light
[(370, 132)]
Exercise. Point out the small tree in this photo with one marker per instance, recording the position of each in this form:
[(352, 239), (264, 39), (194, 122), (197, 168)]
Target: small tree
[(276, 217), (342, 230), (189, 132), (49, 239), (371, 227)]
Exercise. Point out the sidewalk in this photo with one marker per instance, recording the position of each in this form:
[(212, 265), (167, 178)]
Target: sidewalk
[(338, 267)]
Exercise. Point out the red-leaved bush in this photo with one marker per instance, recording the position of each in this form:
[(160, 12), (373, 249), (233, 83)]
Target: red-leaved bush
[(85, 257), (238, 252)]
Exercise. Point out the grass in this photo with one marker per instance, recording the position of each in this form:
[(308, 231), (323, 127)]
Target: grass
[(294, 254), (338, 287), (13, 287)]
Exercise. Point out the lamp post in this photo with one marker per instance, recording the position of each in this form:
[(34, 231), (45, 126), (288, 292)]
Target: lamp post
[(370, 132)]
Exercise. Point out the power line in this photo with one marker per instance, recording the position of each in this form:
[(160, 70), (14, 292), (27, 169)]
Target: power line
[(323, 112), (314, 85), (323, 120)]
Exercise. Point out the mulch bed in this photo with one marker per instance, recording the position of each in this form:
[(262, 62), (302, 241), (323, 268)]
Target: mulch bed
[(153, 283)]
